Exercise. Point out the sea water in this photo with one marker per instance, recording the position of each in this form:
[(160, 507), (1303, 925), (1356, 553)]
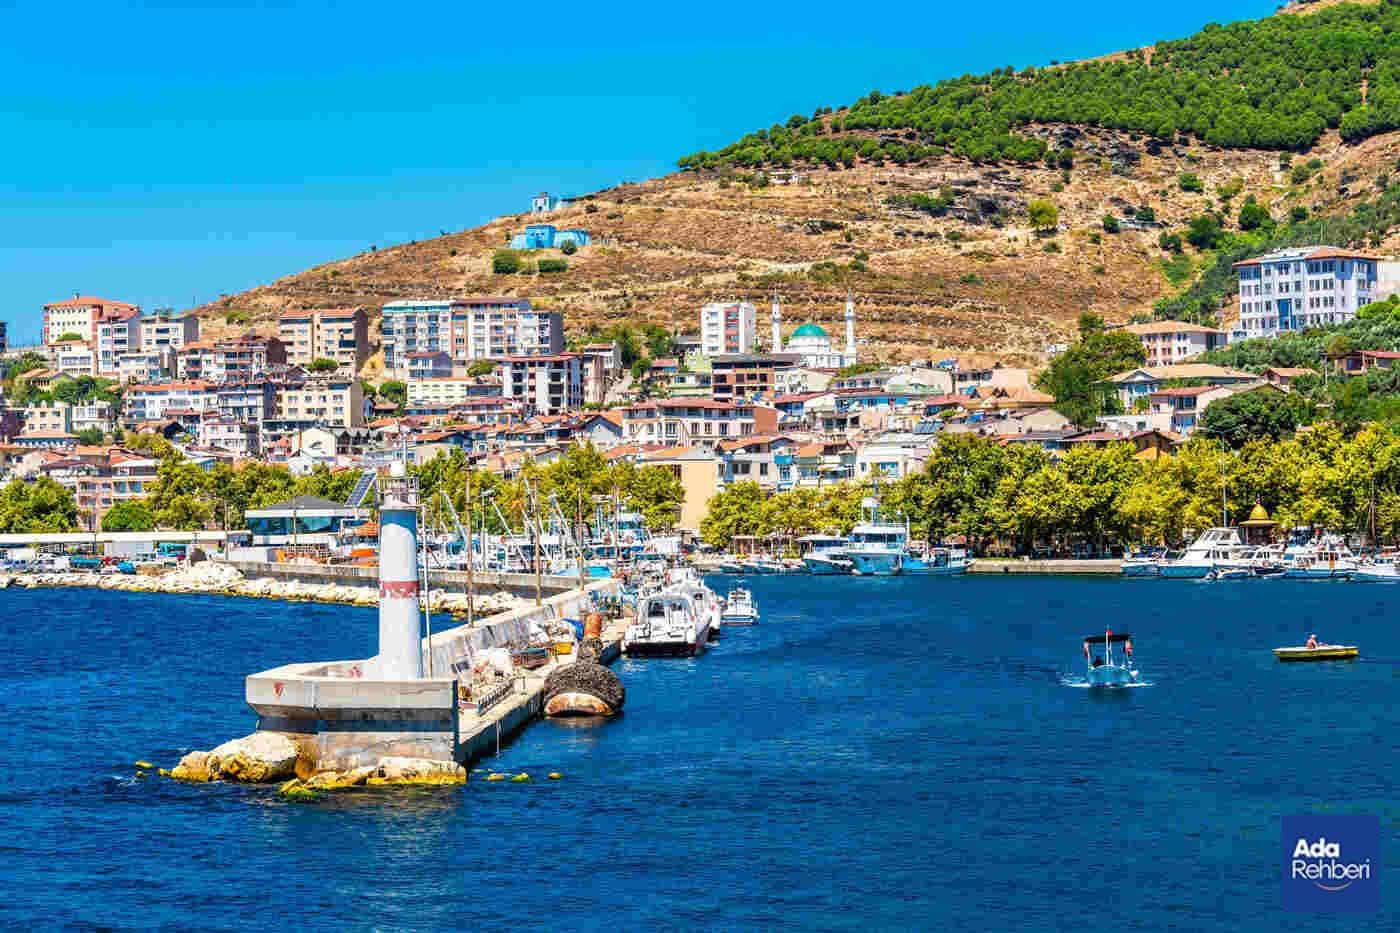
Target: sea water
[(874, 754)]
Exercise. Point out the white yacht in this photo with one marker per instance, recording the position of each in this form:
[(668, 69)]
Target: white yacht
[(667, 625), (1324, 557), (1216, 545), (877, 548), (825, 555)]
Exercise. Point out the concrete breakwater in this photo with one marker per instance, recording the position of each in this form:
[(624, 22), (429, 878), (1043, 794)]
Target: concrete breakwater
[(222, 579), (332, 724)]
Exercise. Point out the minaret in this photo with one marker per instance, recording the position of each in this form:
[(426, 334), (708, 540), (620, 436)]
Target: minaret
[(850, 327), (777, 325), (400, 631)]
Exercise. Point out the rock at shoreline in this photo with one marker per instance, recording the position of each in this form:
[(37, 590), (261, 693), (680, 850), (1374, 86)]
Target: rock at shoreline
[(256, 759), (398, 771), (336, 780), (194, 768)]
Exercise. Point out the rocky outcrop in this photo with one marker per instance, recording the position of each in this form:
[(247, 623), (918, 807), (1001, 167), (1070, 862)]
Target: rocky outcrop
[(417, 771), (194, 768), (259, 758)]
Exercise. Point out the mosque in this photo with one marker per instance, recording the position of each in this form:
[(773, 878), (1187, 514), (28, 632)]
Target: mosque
[(813, 344)]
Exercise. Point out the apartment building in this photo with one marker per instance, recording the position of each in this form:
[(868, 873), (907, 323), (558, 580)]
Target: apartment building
[(90, 415), (251, 402), (151, 402), (448, 390), (336, 401), (429, 364), (340, 334), (471, 328), (545, 385), (71, 358), (1307, 286), (743, 375), (48, 417), (237, 437), (699, 421), (118, 333), (728, 327), (229, 360), (80, 315), (1168, 342), (145, 365), (167, 331)]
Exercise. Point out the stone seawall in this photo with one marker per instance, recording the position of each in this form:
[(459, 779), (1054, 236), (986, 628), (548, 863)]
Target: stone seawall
[(1009, 566), (517, 584)]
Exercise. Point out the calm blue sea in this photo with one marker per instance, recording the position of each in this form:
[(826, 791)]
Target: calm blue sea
[(876, 754)]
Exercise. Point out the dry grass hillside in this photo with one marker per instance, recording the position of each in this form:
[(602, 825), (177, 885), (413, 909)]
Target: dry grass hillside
[(977, 281)]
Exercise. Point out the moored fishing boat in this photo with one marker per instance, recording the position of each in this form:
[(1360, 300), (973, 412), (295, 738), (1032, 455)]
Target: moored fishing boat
[(1380, 569), (937, 561)]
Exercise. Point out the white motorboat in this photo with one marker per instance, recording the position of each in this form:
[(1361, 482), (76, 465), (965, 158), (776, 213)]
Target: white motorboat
[(739, 608), (667, 625), (1104, 670), (825, 555), (706, 602), (1215, 546), (938, 560), (1379, 569), (1324, 557), (1146, 562)]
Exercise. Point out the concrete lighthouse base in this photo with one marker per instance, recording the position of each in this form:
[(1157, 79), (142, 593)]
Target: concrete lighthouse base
[(344, 717)]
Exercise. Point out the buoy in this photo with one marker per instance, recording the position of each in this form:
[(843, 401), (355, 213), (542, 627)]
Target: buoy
[(495, 776), (144, 765), (520, 778), (555, 776)]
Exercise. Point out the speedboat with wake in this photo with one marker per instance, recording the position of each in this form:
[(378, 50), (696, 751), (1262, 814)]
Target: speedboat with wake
[(1102, 668)]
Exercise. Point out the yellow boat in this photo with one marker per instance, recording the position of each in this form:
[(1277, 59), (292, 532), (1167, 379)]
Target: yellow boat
[(1320, 653)]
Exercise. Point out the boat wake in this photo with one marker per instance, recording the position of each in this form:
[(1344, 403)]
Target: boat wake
[(1079, 683)]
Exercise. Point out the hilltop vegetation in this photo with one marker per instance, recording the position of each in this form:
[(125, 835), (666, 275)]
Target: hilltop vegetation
[(1273, 83)]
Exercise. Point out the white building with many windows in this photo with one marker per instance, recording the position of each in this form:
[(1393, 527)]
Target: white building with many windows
[(1307, 286), (728, 327), (466, 329)]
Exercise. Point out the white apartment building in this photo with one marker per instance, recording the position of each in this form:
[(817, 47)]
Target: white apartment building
[(442, 390), (151, 402), (74, 359), (48, 416), (237, 437), (118, 333), (1168, 342), (92, 414), (547, 385), (166, 330), (727, 327), (472, 328), (1307, 286), (145, 365)]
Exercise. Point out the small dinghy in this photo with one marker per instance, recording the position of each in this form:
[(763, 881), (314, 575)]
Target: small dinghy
[(1319, 653)]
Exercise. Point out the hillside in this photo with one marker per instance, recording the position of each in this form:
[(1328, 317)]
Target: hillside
[(933, 238)]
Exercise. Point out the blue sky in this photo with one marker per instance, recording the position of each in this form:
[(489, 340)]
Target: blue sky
[(164, 154)]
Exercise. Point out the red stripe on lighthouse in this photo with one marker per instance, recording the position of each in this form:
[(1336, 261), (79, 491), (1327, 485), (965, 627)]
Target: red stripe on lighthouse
[(398, 589)]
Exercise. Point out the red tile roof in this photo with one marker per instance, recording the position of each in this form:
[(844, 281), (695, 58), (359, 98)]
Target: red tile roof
[(84, 301)]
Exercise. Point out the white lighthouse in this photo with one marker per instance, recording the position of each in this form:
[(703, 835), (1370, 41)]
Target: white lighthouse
[(400, 650), (850, 328), (777, 325)]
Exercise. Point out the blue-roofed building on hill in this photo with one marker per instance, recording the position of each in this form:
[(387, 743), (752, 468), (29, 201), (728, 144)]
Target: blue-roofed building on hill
[(547, 236)]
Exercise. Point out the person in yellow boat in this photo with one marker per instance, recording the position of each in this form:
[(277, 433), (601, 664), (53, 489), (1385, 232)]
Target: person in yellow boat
[(1312, 641)]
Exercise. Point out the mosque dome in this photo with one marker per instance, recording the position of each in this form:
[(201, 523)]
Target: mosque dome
[(810, 330)]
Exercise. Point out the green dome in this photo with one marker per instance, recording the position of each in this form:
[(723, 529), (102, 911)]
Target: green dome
[(809, 330)]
